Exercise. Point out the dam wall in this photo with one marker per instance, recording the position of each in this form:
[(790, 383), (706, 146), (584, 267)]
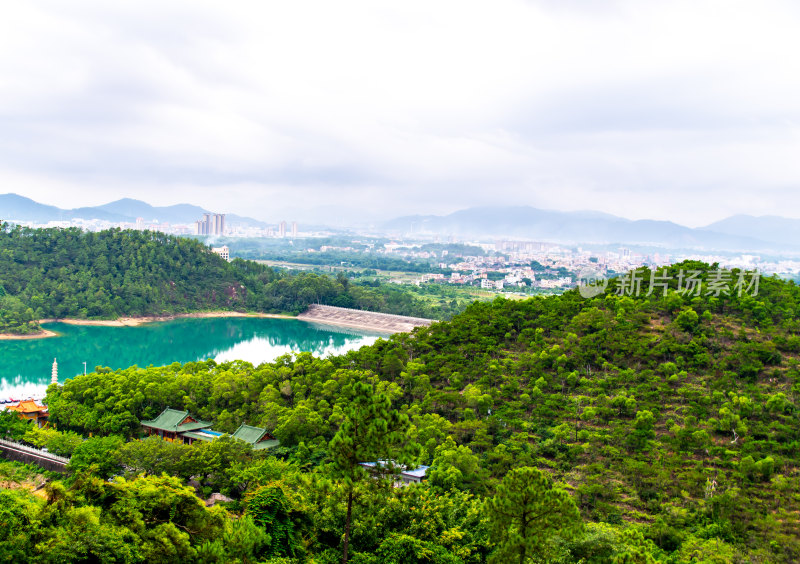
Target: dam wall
[(381, 322)]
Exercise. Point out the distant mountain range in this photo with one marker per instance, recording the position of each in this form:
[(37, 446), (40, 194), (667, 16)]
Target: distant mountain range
[(19, 208), (771, 228), (743, 233), (738, 233)]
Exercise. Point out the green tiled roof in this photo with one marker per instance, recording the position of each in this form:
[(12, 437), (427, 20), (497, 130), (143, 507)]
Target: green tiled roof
[(266, 444), (170, 419), (198, 436), (249, 434), (193, 426), (255, 436)]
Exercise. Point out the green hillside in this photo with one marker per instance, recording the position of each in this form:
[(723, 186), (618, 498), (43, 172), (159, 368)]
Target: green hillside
[(627, 429), (69, 273)]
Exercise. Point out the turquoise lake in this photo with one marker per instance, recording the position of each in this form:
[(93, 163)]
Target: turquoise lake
[(25, 365)]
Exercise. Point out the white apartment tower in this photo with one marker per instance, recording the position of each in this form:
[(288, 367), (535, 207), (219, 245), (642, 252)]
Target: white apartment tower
[(211, 224)]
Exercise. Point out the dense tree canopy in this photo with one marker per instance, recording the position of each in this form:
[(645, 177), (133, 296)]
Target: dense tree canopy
[(674, 434), (69, 273)]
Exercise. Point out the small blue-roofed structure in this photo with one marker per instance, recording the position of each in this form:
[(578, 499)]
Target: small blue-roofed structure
[(415, 475), (201, 435), (402, 476)]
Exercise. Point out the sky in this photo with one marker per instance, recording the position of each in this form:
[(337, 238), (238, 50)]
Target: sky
[(354, 111)]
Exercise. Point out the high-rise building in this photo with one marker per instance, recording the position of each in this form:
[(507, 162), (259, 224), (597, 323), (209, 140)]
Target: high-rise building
[(294, 230), (282, 229), (201, 226), (219, 224), (211, 224)]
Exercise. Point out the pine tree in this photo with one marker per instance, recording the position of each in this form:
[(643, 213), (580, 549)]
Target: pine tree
[(526, 511), (371, 432)]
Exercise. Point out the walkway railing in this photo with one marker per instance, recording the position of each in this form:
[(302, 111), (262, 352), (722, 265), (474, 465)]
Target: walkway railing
[(34, 451)]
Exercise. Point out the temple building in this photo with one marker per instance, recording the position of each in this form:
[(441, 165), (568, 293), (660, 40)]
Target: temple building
[(31, 411), (259, 438), (178, 426), (172, 425)]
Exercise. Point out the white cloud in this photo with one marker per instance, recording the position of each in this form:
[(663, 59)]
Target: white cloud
[(672, 110)]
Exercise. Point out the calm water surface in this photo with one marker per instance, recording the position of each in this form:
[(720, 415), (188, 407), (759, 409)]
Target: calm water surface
[(25, 366)]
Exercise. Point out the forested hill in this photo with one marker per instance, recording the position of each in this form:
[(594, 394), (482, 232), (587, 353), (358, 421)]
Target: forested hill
[(670, 422), (69, 273)]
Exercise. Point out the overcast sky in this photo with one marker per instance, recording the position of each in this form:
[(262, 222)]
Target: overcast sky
[(346, 110)]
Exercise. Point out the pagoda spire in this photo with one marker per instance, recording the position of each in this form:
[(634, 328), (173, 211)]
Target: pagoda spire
[(54, 378)]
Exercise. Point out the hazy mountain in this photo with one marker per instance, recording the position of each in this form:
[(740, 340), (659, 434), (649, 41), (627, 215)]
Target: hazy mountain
[(579, 227), (14, 206), (128, 207), (737, 233), (92, 213), (779, 230), (20, 208)]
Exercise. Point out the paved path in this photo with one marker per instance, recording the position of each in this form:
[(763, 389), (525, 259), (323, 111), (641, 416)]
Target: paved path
[(30, 455)]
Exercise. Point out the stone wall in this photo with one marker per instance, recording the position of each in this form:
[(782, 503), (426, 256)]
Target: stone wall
[(28, 455), (382, 322)]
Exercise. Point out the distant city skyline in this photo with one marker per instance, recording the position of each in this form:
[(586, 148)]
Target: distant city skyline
[(283, 227), (336, 112)]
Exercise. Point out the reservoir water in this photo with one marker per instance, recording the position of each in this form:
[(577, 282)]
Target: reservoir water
[(25, 365)]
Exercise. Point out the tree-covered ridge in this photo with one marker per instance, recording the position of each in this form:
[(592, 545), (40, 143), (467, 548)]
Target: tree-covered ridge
[(672, 421), (15, 316), (69, 273)]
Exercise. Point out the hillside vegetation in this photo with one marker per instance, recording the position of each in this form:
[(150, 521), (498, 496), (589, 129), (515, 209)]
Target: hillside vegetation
[(662, 428), (69, 273)]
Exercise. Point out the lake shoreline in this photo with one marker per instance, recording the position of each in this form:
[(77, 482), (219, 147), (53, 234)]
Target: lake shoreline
[(26, 365), (361, 324), (43, 334), (134, 322)]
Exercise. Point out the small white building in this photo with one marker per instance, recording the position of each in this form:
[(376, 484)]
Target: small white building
[(223, 251)]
